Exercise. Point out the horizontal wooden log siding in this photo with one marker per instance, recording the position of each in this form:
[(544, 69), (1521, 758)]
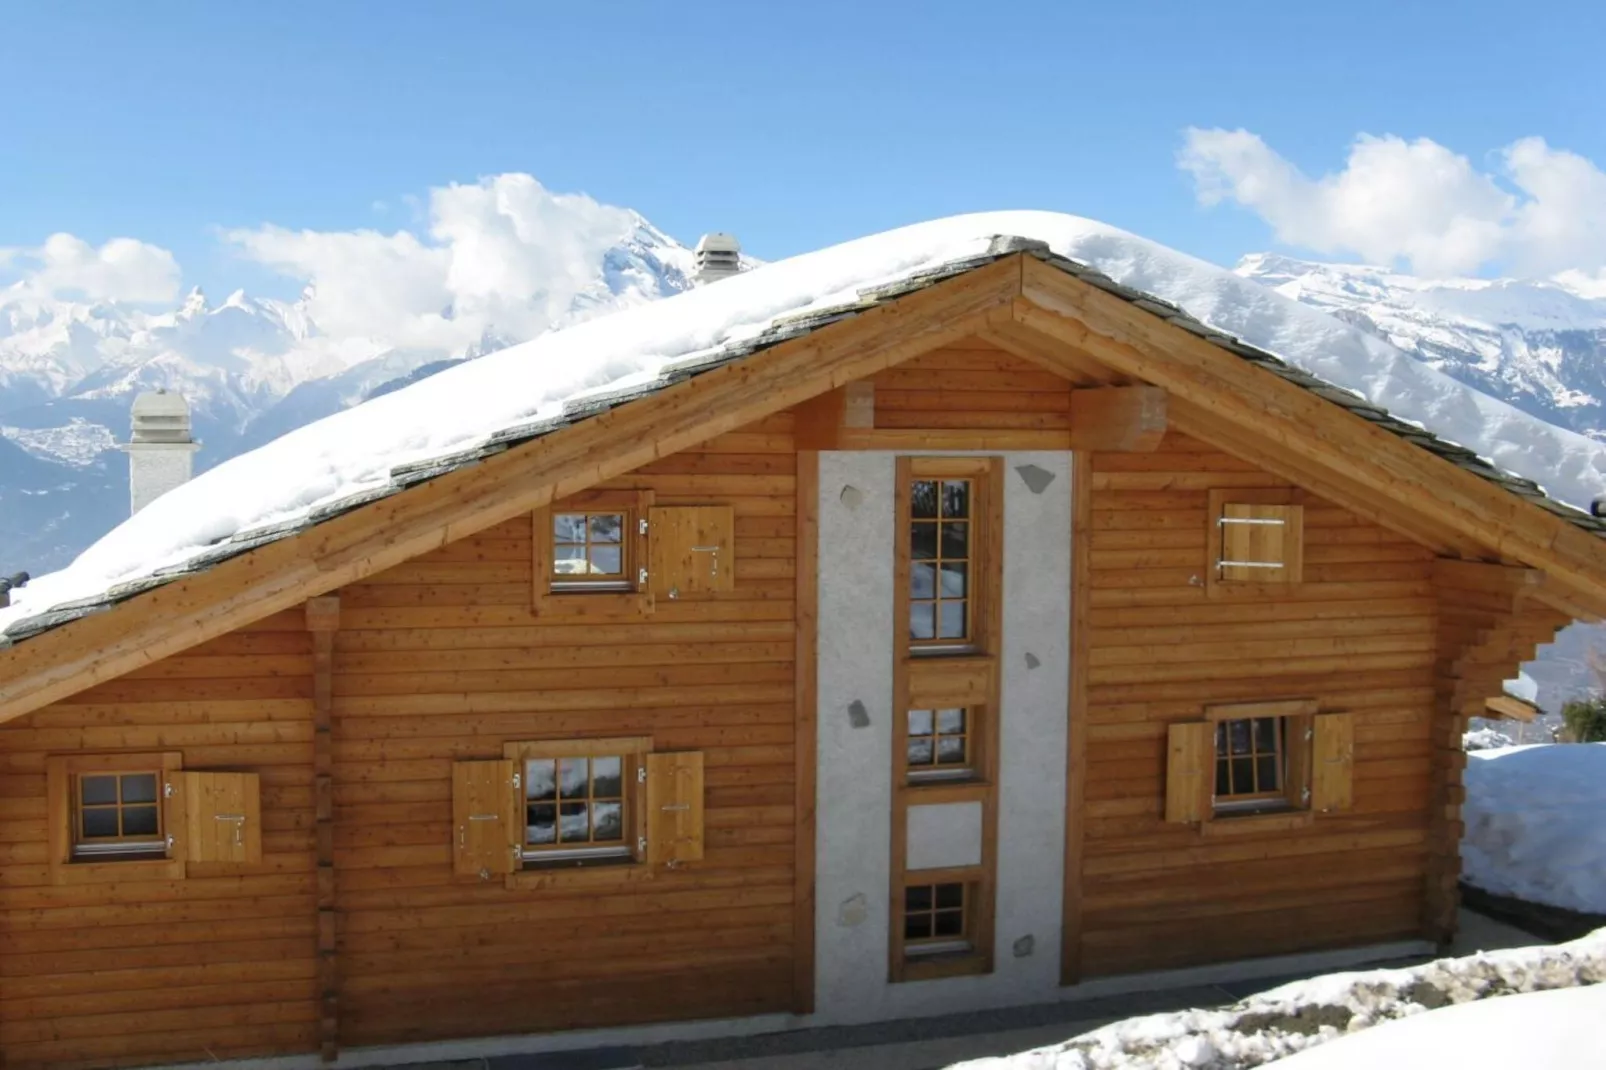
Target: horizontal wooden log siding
[(154, 971), (1358, 634), (971, 386), (441, 659)]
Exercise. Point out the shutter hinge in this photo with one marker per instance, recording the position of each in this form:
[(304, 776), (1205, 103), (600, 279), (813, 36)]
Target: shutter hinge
[(167, 790), (1304, 796), (641, 845), (515, 779), (641, 774), (641, 526), (169, 839), (641, 577)]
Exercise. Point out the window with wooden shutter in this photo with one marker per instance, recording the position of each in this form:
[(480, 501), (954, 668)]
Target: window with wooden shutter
[(1332, 784), (222, 817), (674, 807), (1256, 537), (484, 818), (691, 551), (1188, 770), (590, 554)]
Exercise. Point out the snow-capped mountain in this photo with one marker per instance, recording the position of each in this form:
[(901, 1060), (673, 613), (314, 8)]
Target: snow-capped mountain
[(1532, 343), (251, 369)]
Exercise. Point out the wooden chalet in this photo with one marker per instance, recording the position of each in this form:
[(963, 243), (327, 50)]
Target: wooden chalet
[(1003, 637)]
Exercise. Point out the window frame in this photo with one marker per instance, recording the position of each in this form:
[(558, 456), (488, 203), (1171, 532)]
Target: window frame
[(164, 860), (984, 552), (633, 752), (1297, 723), (925, 960), (935, 771), (1292, 572), (559, 594), (926, 949)]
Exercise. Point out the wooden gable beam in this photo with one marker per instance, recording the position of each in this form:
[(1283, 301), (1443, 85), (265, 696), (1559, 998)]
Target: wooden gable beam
[(283, 574), (1306, 426)]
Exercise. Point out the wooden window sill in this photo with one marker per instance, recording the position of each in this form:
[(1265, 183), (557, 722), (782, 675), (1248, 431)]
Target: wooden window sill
[(924, 792), (600, 875), (1248, 824)]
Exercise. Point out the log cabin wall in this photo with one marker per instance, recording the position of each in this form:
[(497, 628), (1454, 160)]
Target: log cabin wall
[(1357, 635), (148, 969), (441, 659)]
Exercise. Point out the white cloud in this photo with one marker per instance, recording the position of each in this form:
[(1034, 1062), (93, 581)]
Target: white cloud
[(1544, 213), (67, 267), (502, 253)]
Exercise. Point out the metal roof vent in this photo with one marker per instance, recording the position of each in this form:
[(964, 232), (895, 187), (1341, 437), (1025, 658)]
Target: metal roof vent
[(161, 450), (9, 584), (719, 256)]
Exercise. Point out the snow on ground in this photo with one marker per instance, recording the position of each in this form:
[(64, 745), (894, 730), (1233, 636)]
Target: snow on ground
[(77, 443), (1534, 825), (1302, 1015), (1555, 1030), (1484, 738), (459, 408)]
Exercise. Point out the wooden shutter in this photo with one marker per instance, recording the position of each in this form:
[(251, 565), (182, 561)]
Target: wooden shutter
[(1264, 534), (485, 825), (674, 807), (1189, 769), (1332, 784), (222, 818), (691, 550)]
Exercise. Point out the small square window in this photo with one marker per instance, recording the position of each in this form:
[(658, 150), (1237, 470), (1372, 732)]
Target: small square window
[(588, 547), (939, 744), (1251, 762), (574, 807), (117, 814), (936, 919)]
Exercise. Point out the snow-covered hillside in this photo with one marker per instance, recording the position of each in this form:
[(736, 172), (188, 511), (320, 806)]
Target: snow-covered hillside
[(252, 369)]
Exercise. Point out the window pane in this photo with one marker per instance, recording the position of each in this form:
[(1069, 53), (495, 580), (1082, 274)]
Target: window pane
[(917, 927), (139, 821), (606, 561), (950, 923), (1221, 739), (1265, 733), (917, 897), (1238, 732), (922, 581), (569, 560), (539, 779), (922, 620), (950, 896), (922, 541), (952, 623), (923, 498), (607, 527), (956, 540), (953, 580), (1223, 785), (541, 824), (951, 750), (1268, 773), (607, 821), (574, 822), (139, 788), (569, 527), (920, 722), (606, 780), (920, 751), (956, 498), (572, 777), (99, 824), (97, 789), (950, 722), (1243, 776)]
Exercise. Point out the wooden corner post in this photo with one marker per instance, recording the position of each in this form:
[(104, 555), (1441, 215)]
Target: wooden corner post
[(323, 620)]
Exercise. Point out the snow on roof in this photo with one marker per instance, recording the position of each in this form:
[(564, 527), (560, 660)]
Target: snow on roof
[(383, 445), (1522, 686)]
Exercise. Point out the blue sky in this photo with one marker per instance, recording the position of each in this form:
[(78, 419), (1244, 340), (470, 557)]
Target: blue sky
[(792, 125)]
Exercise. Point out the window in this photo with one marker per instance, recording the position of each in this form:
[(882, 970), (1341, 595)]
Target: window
[(1256, 759), (111, 811), (1250, 762), (589, 550), (936, 919), (117, 813), (1256, 539), (939, 561), (575, 807), (939, 744)]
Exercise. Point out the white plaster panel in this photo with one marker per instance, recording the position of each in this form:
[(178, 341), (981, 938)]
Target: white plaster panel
[(947, 834), (853, 830)]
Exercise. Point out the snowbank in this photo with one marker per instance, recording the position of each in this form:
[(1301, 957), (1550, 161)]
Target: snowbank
[(464, 406), (1302, 1015), (1555, 1030), (1484, 738), (1534, 824)]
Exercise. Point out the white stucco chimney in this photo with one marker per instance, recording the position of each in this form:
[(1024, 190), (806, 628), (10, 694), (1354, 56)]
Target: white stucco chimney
[(719, 256), (161, 450)]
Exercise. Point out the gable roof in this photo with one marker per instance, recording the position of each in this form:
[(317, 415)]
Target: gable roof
[(644, 352)]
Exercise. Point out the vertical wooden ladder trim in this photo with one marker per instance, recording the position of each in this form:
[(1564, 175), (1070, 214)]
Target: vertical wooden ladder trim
[(806, 737), (903, 474), (1076, 711), (323, 619)]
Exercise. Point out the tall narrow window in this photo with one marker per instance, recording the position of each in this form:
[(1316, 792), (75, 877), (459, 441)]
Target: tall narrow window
[(1250, 763), (941, 551)]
